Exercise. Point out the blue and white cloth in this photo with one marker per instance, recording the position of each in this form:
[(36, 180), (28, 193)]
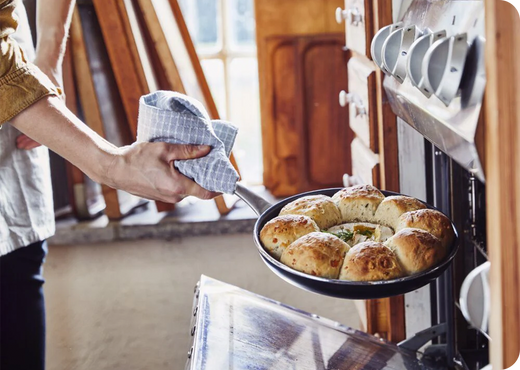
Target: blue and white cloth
[(175, 118)]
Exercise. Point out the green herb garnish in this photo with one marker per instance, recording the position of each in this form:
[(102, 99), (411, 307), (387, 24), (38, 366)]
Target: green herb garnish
[(344, 235), (367, 233)]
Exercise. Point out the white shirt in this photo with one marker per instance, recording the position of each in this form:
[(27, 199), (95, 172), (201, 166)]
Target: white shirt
[(26, 203)]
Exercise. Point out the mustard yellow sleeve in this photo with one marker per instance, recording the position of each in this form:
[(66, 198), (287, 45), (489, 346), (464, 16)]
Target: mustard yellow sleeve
[(21, 82)]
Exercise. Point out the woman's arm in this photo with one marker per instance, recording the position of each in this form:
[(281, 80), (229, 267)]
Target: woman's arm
[(53, 19), (143, 169)]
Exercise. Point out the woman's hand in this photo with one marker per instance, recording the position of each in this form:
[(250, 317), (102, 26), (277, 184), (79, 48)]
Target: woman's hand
[(146, 170)]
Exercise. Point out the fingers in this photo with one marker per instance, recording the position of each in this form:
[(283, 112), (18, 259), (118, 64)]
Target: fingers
[(190, 187), (26, 143), (179, 151)]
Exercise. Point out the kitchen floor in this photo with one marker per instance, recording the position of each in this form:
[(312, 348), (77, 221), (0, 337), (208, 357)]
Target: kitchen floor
[(127, 305)]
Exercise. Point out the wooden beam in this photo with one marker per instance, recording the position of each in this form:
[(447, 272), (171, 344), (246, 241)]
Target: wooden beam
[(164, 61), (89, 102), (74, 175), (502, 150), (390, 309), (124, 56)]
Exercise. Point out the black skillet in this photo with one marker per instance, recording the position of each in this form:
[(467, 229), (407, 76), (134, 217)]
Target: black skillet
[(333, 287)]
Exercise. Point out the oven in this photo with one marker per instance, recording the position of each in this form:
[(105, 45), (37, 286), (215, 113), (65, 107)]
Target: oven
[(432, 57), (433, 60)]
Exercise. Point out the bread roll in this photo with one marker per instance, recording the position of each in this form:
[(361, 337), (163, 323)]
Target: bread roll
[(370, 261), (391, 208), (320, 208), (358, 203), (429, 220), (417, 250), (317, 254), (277, 234)]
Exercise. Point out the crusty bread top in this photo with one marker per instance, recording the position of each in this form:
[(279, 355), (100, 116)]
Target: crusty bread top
[(392, 207), (278, 233), (429, 220), (370, 261), (320, 208), (358, 203), (359, 192), (416, 249), (317, 254)]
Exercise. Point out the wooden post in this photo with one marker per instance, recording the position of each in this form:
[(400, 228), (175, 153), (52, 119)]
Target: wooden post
[(502, 151), (89, 102), (164, 61), (390, 309)]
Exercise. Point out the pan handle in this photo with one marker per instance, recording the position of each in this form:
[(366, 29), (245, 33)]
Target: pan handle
[(257, 203)]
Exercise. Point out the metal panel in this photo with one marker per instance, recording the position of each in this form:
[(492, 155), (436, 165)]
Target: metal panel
[(451, 128), (236, 329)]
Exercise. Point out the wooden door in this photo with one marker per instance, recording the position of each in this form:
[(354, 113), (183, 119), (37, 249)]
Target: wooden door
[(306, 133), (292, 104)]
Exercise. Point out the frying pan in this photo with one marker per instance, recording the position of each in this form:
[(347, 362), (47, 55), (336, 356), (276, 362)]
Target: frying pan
[(333, 287)]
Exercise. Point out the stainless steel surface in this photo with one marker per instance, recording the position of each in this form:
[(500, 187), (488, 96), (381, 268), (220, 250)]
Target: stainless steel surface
[(256, 202), (443, 65), (451, 128), (376, 48), (236, 329), (395, 50), (415, 58)]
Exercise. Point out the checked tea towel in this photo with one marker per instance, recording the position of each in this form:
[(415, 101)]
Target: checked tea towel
[(179, 119)]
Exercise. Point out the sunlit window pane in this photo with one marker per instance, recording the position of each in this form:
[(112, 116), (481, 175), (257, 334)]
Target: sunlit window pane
[(202, 18), (241, 21), (214, 72), (245, 113)]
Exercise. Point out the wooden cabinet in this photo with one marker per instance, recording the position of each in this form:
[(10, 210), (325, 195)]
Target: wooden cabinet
[(357, 15), (306, 132), (362, 94), (302, 69)]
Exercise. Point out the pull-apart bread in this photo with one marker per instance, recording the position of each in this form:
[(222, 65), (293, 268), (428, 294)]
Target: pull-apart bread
[(317, 254), (429, 220), (392, 207), (358, 234), (417, 250), (281, 231), (358, 203), (320, 208), (370, 261)]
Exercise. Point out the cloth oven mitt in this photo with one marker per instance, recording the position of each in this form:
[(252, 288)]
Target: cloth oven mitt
[(179, 119)]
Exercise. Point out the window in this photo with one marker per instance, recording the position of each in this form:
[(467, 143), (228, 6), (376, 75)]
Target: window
[(223, 32)]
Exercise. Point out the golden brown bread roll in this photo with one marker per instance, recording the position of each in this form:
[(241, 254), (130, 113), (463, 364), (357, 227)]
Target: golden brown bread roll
[(358, 203), (429, 220), (416, 249), (278, 233), (317, 254), (370, 261), (320, 208), (392, 207)]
